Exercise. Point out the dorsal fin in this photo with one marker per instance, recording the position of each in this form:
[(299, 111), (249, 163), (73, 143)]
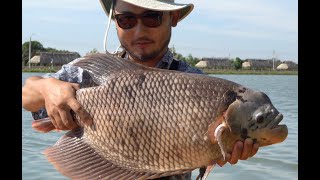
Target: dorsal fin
[(102, 65), (105, 64)]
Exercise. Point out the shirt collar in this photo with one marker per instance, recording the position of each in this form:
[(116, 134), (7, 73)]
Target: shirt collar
[(166, 60)]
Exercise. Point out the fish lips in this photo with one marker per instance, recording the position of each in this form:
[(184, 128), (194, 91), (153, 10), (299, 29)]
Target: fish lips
[(276, 132), (275, 135), (275, 122)]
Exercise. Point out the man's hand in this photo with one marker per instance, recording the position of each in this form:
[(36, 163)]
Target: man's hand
[(58, 97), (240, 151)]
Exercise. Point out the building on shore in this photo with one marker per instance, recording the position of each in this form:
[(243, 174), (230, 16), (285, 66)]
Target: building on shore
[(287, 65), (249, 64), (268, 64), (53, 58), (201, 64), (35, 60), (215, 63), (260, 64)]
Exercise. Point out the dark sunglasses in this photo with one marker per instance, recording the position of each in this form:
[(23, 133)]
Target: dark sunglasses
[(149, 18)]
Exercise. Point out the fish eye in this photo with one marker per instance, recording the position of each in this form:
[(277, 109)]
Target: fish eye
[(259, 118)]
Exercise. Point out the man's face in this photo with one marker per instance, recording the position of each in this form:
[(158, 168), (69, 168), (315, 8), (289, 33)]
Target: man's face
[(144, 43)]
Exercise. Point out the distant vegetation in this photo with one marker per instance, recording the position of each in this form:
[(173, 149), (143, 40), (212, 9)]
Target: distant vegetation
[(189, 59), (237, 62), (44, 69), (241, 71), (36, 48)]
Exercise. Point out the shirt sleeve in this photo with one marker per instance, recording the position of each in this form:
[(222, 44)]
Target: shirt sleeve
[(68, 73)]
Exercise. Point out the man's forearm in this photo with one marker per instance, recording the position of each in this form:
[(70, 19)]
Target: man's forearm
[(32, 99)]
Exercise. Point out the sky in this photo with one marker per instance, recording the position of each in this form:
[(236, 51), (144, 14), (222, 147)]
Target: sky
[(260, 29)]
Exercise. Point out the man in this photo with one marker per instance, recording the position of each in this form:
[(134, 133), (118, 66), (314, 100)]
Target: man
[(144, 31)]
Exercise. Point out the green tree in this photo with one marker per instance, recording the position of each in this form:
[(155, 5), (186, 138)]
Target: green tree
[(36, 47), (191, 60), (177, 55), (49, 49), (237, 63), (173, 50), (94, 50)]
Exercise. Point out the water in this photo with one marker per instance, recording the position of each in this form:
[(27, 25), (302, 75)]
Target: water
[(279, 161)]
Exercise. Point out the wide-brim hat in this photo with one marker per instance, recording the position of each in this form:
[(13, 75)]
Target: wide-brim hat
[(156, 5)]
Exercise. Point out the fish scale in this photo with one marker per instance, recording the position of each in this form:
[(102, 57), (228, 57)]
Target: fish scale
[(150, 123), (166, 128)]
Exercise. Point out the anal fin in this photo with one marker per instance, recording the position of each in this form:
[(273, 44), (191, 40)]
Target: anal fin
[(73, 157)]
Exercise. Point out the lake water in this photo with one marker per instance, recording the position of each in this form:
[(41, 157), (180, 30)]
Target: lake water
[(279, 161)]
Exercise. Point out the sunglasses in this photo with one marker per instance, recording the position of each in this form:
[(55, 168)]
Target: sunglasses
[(149, 18)]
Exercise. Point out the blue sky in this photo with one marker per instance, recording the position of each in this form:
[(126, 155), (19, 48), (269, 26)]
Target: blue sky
[(215, 28)]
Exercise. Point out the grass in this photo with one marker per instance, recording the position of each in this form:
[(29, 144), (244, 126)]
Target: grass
[(41, 69)]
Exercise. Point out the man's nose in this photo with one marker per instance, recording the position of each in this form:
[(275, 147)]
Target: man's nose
[(140, 27)]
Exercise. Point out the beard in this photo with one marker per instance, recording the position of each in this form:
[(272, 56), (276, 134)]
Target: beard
[(146, 56)]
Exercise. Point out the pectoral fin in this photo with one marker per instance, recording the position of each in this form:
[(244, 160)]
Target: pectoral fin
[(43, 125)]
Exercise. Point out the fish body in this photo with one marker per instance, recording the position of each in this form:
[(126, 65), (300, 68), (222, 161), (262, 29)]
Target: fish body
[(150, 123)]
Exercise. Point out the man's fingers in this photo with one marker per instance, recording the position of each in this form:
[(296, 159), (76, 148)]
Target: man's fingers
[(82, 113), (67, 119), (255, 149), (241, 150), (53, 122), (248, 145), (236, 152), (75, 86), (57, 122), (222, 162)]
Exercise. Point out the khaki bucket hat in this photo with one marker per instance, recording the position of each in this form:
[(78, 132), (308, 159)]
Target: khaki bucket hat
[(156, 5)]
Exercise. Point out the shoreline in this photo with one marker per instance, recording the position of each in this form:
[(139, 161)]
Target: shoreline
[(253, 72), (40, 69), (207, 71)]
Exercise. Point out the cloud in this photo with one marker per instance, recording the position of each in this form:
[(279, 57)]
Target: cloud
[(58, 20), (247, 25), (79, 5), (236, 31), (277, 15)]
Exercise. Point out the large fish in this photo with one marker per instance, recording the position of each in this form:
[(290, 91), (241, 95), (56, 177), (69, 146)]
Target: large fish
[(150, 123)]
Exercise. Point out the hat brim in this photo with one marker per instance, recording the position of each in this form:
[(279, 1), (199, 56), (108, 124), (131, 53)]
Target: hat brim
[(184, 9)]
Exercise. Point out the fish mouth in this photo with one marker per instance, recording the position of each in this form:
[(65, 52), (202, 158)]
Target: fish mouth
[(275, 123), (280, 127), (274, 132), (275, 135), (275, 126)]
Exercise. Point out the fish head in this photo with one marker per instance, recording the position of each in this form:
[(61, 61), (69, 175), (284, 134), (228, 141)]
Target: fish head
[(252, 115)]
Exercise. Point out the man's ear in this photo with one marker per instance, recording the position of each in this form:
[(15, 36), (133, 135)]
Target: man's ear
[(174, 18)]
